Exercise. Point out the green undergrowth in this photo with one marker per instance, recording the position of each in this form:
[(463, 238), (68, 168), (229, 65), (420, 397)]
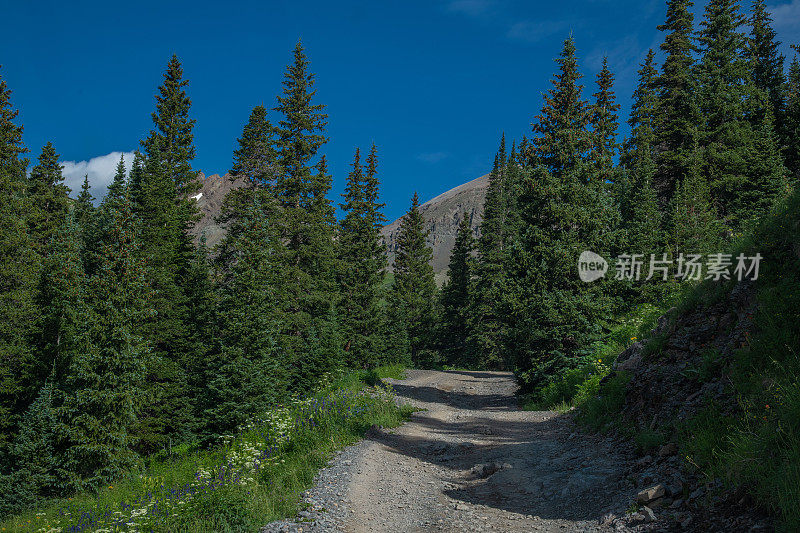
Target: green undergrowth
[(580, 384), (758, 448), (254, 477), (754, 447)]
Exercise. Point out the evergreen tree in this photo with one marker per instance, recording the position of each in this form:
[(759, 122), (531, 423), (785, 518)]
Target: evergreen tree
[(378, 261), (486, 314), (203, 325), (640, 208), (101, 384), (18, 278), (171, 142), (256, 158), (642, 117), (160, 192), (791, 146), (767, 62), (676, 109), (604, 121), (362, 265), (553, 315), (84, 205), (86, 219), (697, 229), (731, 103), (34, 454), (246, 375), (49, 198), (307, 219), (61, 300), (136, 178), (117, 192), (561, 139), (414, 287), (769, 178), (456, 296)]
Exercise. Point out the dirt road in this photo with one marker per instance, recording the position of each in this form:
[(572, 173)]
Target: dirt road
[(471, 461)]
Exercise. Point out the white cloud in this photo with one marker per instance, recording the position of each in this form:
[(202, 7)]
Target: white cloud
[(786, 16), (531, 32), (786, 22), (100, 169), (432, 157)]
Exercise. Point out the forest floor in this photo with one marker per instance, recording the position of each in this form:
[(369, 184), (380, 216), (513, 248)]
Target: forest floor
[(471, 460)]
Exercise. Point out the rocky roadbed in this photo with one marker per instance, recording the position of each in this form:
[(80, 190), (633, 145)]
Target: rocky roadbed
[(473, 461)]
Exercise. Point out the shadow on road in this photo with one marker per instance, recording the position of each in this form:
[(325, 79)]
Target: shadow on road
[(541, 470)]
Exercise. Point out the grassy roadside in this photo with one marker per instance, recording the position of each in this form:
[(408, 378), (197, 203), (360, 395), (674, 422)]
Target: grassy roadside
[(756, 448), (257, 476), (581, 384)]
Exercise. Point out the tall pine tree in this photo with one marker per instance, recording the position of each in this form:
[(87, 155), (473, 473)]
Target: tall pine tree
[(676, 110), (18, 277), (486, 313), (763, 49), (362, 265), (100, 387), (561, 139), (160, 190), (307, 223), (640, 208), (456, 297), (414, 291), (49, 198), (604, 122)]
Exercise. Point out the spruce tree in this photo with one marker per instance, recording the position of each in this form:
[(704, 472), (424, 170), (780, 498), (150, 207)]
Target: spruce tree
[(33, 452), (256, 158), (456, 297), (18, 277), (84, 205), (561, 139), (642, 216), (486, 314), (676, 109), (361, 266), (49, 198), (769, 178), (642, 116), (160, 192), (117, 192), (696, 229), (307, 221), (554, 314), (731, 103), (378, 263), (722, 78), (61, 299), (246, 375), (791, 146), (763, 49), (203, 297), (414, 288), (86, 219), (101, 386), (604, 122)]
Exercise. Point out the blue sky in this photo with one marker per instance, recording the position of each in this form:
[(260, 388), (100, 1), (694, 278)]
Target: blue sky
[(433, 83)]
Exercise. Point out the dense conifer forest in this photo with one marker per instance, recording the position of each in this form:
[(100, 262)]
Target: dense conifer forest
[(121, 337)]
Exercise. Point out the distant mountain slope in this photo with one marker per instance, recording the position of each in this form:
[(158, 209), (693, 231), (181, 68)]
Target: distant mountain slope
[(442, 215), (209, 201)]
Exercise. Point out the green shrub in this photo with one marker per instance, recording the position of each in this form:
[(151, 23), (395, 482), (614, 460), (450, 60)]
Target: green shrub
[(599, 411)]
